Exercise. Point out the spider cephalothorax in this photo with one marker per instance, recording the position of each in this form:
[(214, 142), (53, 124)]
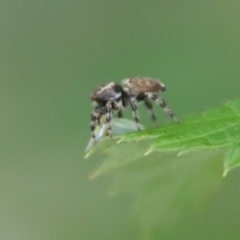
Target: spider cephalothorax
[(113, 98)]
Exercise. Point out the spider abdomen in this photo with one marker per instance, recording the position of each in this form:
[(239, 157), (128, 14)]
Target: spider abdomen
[(139, 86)]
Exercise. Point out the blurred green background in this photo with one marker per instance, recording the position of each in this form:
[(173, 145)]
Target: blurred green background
[(53, 54)]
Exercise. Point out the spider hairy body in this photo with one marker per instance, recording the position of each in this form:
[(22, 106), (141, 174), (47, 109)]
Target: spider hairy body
[(113, 97)]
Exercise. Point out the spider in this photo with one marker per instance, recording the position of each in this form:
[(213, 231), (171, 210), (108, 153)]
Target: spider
[(113, 97)]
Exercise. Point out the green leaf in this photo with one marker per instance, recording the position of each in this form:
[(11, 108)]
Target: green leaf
[(211, 129), (184, 169)]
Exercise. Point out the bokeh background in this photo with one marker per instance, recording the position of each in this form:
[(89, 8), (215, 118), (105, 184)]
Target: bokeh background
[(53, 54)]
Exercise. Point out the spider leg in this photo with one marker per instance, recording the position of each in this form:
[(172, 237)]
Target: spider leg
[(159, 101), (95, 116), (108, 118), (134, 107), (100, 115), (149, 106)]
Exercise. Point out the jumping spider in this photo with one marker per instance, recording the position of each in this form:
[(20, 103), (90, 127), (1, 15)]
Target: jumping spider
[(114, 98)]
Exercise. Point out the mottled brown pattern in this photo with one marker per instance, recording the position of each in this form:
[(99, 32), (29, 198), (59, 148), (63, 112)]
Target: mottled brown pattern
[(143, 85)]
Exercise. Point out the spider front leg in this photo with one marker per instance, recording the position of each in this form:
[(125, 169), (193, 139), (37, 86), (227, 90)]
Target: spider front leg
[(108, 118), (163, 104), (95, 118), (101, 115)]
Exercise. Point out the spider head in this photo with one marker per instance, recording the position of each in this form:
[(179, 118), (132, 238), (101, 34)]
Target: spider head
[(110, 92)]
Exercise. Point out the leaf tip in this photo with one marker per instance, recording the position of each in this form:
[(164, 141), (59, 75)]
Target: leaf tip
[(148, 152), (120, 140), (225, 172), (87, 155), (180, 153)]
